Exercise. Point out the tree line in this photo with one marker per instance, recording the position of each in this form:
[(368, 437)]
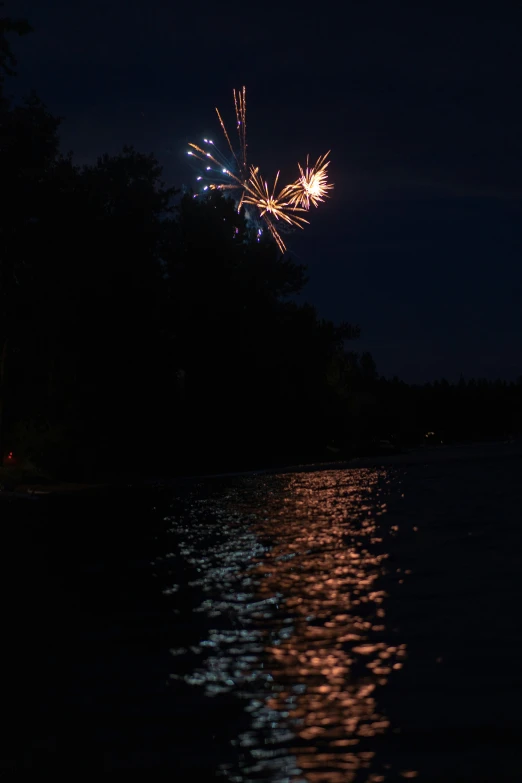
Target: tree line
[(142, 329)]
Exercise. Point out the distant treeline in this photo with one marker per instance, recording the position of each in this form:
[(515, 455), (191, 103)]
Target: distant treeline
[(142, 330), (475, 409)]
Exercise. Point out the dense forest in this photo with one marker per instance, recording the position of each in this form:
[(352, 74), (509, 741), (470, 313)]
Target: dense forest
[(144, 330)]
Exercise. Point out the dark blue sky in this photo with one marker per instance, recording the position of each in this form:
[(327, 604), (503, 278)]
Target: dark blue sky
[(421, 242)]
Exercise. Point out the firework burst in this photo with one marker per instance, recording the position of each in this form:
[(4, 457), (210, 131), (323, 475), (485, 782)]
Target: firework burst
[(234, 174), (312, 185), (271, 205)]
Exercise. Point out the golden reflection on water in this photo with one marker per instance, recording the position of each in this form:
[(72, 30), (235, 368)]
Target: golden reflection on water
[(299, 570), (324, 562)]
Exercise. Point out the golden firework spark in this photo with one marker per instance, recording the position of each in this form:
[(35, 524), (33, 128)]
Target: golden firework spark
[(286, 205), (271, 205), (312, 186), (240, 107), (267, 201)]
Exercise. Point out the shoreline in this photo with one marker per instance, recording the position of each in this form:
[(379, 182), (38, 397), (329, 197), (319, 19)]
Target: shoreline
[(416, 456)]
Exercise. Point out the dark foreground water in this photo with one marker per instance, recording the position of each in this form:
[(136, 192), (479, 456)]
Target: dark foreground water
[(337, 626)]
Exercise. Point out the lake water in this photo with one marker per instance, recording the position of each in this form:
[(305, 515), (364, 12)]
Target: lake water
[(336, 625)]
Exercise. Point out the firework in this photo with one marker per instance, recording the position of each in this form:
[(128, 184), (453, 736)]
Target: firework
[(271, 205), (220, 173), (312, 185), (234, 174)]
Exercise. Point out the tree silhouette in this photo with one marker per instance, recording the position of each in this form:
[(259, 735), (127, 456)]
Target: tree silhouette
[(8, 26), (28, 147)]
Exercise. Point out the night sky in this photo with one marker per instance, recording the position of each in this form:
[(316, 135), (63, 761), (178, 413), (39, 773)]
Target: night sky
[(421, 242)]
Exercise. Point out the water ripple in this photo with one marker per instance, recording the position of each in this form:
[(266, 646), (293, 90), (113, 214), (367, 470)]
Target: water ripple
[(291, 573)]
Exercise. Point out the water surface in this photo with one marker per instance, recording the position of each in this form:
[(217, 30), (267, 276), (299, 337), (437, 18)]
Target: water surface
[(292, 571), (358, 616), (355, 625)]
